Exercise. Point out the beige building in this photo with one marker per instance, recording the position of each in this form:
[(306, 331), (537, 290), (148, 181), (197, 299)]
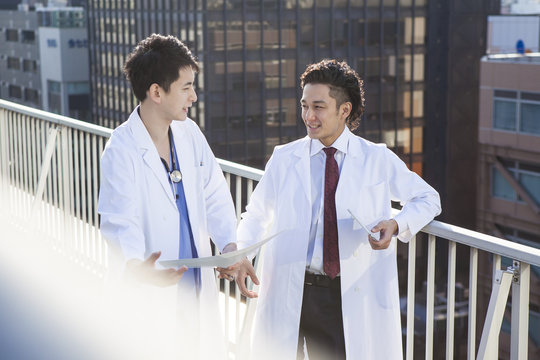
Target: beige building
[(508, 203)]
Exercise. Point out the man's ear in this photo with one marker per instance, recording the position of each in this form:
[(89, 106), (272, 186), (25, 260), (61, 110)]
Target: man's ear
[(346, 109), (154, 93)]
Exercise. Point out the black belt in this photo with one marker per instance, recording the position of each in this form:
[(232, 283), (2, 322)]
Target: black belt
[(321, 281)]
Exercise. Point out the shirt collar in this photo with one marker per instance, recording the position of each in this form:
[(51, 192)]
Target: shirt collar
[(341, 143)]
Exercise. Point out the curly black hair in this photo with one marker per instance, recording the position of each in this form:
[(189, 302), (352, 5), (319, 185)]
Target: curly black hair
[(157, 59), (345, 85)]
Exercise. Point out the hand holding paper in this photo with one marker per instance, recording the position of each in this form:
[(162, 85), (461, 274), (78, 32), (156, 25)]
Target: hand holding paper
[(376, 235)]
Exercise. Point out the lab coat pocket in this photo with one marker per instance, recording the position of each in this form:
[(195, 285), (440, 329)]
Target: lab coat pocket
[(370, 205)]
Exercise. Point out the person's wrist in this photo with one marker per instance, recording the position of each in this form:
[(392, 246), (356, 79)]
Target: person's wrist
[(396, 231)]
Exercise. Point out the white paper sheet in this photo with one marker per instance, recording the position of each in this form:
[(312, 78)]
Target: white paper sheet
[(376, 236), (222, 260)]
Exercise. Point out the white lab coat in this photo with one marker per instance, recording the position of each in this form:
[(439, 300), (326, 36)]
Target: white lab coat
[(139, 213), (371, 176)]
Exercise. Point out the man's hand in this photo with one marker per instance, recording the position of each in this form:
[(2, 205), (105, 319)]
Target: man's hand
[(388, 228), (239, 272), (146, 272)]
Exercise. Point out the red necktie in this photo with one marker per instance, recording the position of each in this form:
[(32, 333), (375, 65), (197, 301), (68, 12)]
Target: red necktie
[(330, 244)]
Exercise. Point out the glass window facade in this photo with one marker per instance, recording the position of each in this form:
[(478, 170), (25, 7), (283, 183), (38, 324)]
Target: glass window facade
[(252, 54), (516, 111), (527, 175)]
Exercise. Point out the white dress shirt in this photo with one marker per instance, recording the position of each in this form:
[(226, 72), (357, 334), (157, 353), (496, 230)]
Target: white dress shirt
[(314, 260)]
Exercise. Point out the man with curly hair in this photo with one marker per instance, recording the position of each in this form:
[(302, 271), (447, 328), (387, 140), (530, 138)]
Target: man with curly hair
[(329, 282)]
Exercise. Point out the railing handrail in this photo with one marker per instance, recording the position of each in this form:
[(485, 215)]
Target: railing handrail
[(57, 119), (449, 232), (503, 247)]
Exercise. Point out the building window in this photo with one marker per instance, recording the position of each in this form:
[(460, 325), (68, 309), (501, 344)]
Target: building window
[(516, 111), (13, 63), (29, 65), (500, 187), (528, 175), (28, 36), (15, 92), (12, 35), (31, 95)]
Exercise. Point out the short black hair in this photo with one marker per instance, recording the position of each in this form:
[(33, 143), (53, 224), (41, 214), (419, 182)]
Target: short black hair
[(157, 59), (345, 85)]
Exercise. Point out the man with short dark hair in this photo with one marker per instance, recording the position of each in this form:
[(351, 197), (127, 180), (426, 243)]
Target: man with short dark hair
[(163, 194), (327, 283)]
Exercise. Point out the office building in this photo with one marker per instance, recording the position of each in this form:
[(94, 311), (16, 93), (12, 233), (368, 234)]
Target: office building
[(508, 202), (44, 59), (252, 54)]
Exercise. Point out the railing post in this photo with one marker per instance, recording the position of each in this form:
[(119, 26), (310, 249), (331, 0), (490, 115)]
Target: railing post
[(450, 300), (430, 301), (473, 286), (410, 299), (520, 311), (494, 317)]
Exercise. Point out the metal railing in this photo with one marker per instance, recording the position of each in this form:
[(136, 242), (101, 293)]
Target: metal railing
[(49, 167)]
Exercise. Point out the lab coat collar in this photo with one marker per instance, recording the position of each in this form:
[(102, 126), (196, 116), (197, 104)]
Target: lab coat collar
[(341, 143), (148, 151)]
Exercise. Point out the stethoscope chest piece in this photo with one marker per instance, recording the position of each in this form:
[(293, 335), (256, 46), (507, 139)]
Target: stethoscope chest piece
[(176, 176)]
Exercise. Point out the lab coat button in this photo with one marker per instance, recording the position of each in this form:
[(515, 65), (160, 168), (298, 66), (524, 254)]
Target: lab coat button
[(355, 253), (357, 289)]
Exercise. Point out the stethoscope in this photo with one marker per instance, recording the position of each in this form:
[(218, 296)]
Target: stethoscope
[(175, 175)]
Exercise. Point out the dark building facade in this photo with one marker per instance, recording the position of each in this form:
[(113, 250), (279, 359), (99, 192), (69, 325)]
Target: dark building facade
[(252, 53)]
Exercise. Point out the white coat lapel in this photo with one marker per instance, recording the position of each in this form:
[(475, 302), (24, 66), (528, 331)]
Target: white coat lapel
[(302, 166), (187, 161), (149, 153), (349, 178)]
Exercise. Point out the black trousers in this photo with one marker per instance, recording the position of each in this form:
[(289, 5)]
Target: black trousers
[(321, 320)]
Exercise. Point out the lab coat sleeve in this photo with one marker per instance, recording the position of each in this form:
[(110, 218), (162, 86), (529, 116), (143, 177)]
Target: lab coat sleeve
[(117, 204), (421, 203), (220, 213), (260, 212)]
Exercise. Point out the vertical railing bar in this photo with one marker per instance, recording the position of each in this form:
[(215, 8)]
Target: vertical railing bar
[(86, 205), (32, 170), (56, 174), (18, 163), (28, 167), (237, 323), (238, 197), (77, 195), (450, 300), (72, 218), (430, 303), (411, 272), (42, 200), (39, 205), (50, 197), (33, 160), (64, 182), (473, 285), (519, 336), (11, 164), (494, 349), (227, 313), (24, 166), (100, 240), (97, 252)]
